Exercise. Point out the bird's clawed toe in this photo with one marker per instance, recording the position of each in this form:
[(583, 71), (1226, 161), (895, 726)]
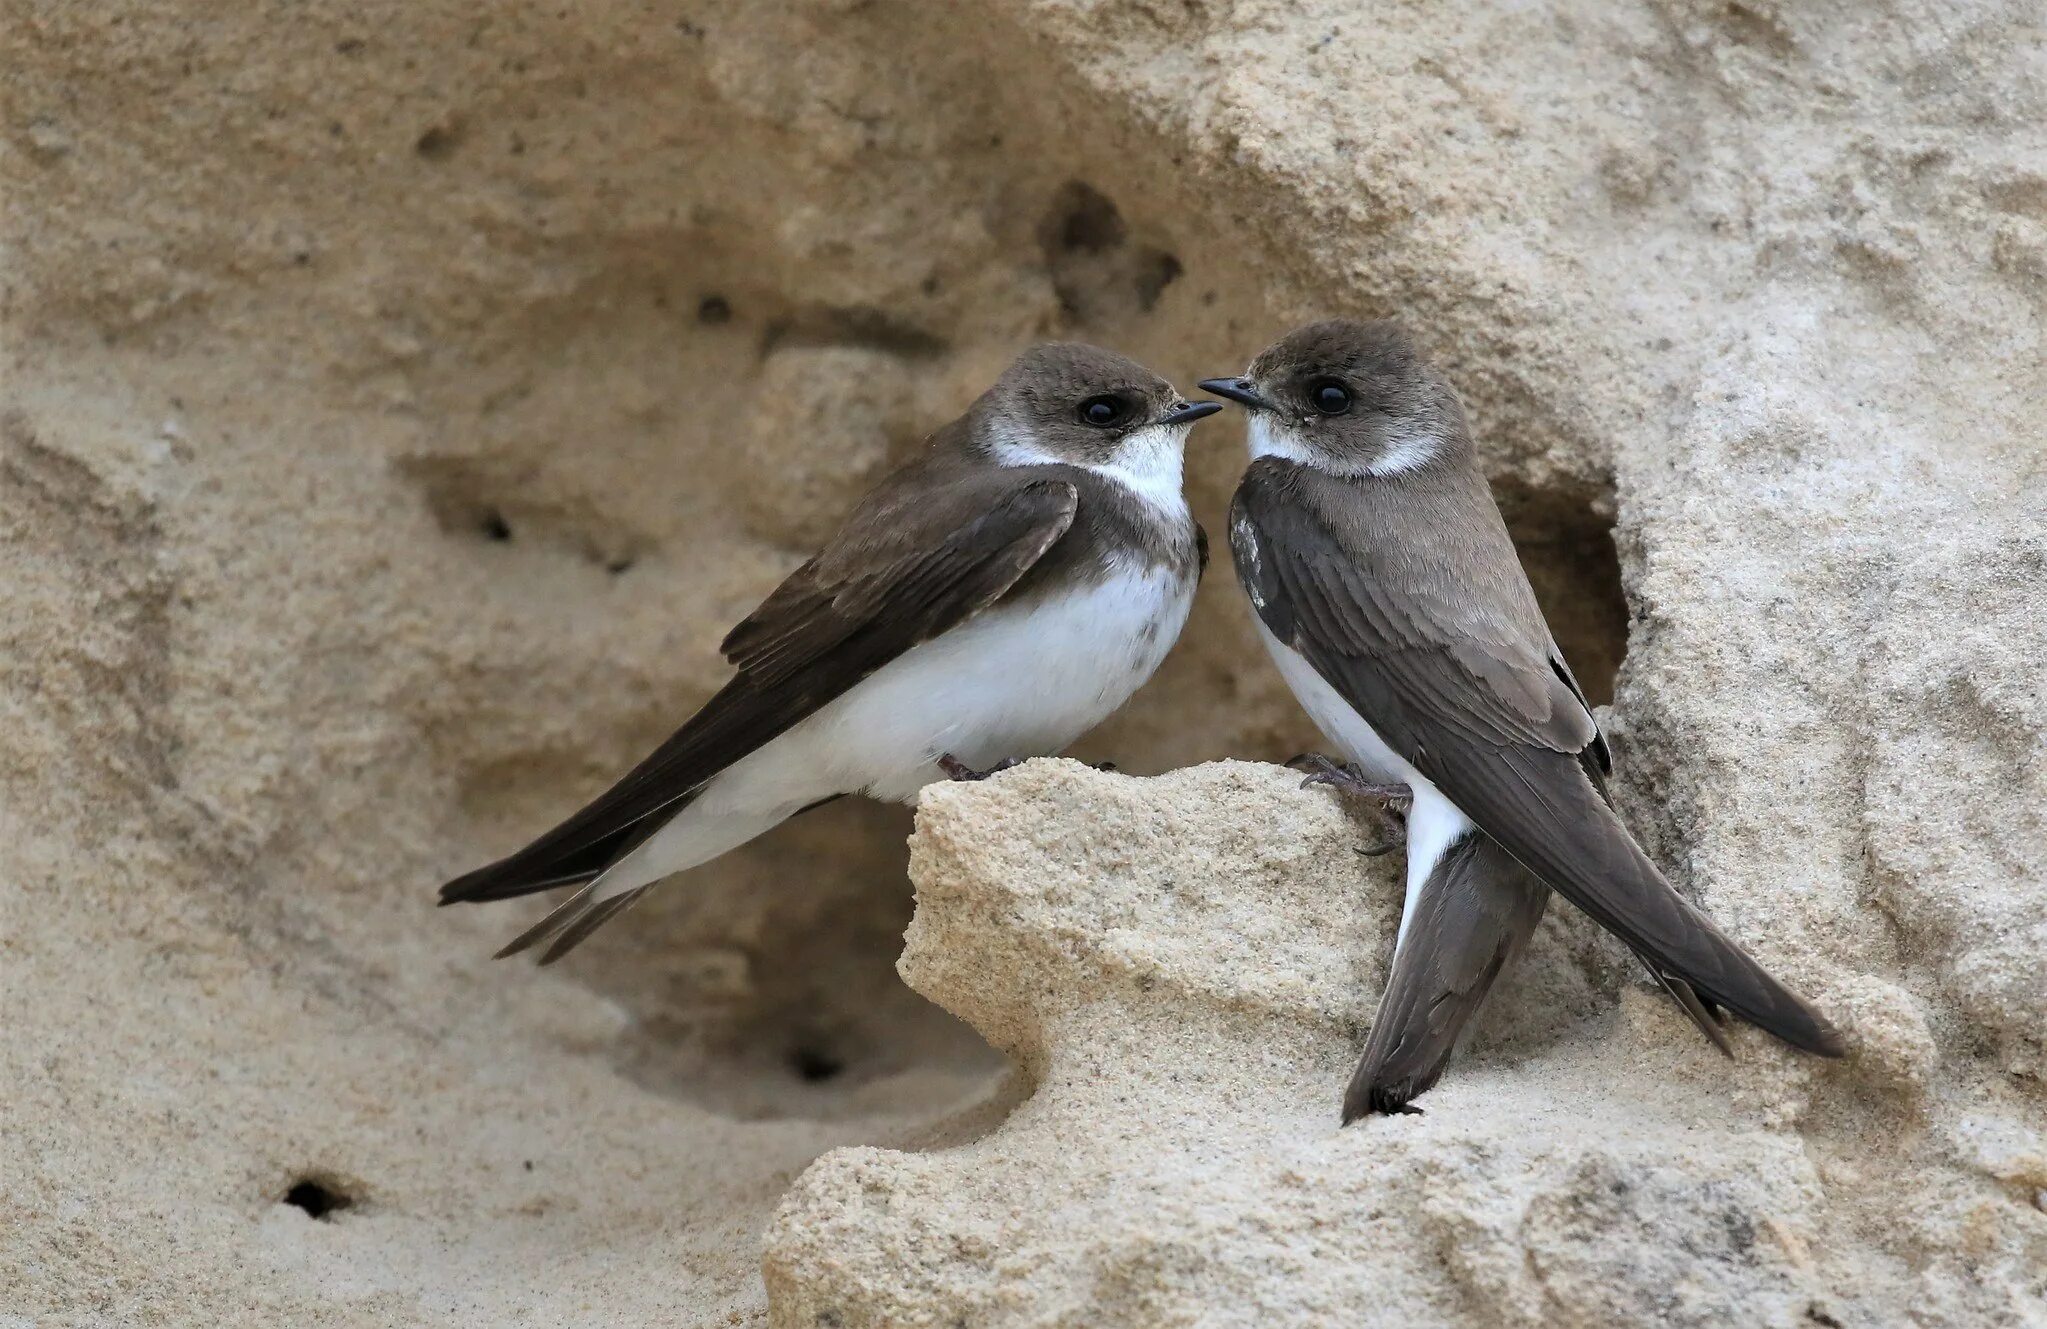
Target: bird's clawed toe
[(1391, 801), (1341, 775), (955, 769)]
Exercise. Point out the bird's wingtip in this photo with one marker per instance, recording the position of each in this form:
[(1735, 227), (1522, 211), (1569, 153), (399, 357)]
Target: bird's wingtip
[(1828, 1041), (471, 887), (1372, 1098)]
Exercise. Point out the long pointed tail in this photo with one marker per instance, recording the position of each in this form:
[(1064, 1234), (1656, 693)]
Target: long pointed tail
[(1474, 914)]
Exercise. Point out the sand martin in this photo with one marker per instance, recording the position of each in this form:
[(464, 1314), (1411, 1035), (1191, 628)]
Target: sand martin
[(1390, 596), (994, 599)]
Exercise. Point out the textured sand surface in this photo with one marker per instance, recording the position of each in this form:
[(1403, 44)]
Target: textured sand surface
[(397, 402), (1184, 992)]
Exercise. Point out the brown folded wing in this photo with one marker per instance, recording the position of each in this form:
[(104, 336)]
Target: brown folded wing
[(912, 562), (1410, 602)]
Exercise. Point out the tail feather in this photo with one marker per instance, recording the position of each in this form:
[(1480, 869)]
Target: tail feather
[(492, 883), (1474, 914), (569, 923), (1703, 1014), (596, 916)]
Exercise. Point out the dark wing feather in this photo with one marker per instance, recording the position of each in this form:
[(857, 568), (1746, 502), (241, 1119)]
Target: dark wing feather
[(907, 567), (1443, 652), (1599, 761)]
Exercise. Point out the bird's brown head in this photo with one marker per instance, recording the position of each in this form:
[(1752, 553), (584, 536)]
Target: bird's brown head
[(1079, 404), (1352, 398)]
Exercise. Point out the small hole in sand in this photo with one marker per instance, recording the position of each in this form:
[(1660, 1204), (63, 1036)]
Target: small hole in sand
[(436, 144), (319, 1199), (1154, 274), (815, 1065), (495, 527), (1084, 219), (713, 310)]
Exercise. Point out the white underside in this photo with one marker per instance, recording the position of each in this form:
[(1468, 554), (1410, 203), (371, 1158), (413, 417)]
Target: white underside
[(1022, 682), (1433, 824)]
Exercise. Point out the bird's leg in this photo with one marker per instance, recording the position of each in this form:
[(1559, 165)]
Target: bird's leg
[(955, 769), (1390, 801)]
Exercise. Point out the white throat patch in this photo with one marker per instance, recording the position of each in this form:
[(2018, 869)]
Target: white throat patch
[(1271, 435), (1268, 438), (1148, 462), (1011, 446)]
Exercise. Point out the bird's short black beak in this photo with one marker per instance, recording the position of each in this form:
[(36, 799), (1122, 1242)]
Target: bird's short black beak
[(1238, 390), (1187, 412)]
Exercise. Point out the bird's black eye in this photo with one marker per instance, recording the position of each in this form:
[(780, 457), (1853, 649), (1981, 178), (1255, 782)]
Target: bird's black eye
[(1103, 411), (1330, 397)]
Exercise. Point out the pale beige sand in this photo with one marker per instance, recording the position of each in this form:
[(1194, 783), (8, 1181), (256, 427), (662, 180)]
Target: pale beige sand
[(302, 307), (1174, 963)]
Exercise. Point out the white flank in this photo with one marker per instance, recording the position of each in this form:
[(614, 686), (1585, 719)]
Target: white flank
[(1010, 682), (1433, 824)]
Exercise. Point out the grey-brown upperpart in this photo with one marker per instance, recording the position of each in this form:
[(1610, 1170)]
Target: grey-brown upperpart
[(1370, 545)]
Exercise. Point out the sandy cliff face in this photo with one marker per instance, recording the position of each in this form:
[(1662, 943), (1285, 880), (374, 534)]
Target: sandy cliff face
[(1176, 986), (397, 402)]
